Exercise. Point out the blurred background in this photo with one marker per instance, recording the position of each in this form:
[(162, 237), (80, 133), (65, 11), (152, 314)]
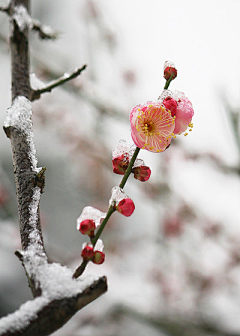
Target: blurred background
[(173, 267)]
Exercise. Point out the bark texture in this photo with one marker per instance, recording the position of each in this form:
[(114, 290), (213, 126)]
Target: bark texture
[(51, 308)]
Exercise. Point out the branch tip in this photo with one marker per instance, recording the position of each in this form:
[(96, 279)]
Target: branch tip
[(60, 81)]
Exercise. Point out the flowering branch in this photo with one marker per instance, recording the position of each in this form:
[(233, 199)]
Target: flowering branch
[(153, 125), (110, 211)]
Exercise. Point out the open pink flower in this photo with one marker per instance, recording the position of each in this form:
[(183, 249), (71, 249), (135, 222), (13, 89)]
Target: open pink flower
[(152, 126)]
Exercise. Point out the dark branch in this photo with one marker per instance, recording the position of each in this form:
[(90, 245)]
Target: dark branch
[(57, 296), (47, 316), (60, 81), (4, 9)]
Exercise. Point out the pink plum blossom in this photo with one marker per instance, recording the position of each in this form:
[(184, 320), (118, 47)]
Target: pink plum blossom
[(152, 126), (98, 257), (87, 227), (87, 252), (141, 173), (181, 108), (169, 70), (94, 254), (126, 207), (120, 164)]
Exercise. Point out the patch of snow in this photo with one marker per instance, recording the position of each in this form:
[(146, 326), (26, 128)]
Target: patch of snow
[(22, 18), (23, 316), (19, 116), (117, 195), (36, 83), (90, 212), (99, 245)]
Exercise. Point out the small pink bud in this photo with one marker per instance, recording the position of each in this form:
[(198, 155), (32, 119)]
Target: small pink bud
[(98, 257), (169, 70), (120, 164), (171, 105), (126, 207), (87, 252), (87, 227), (142, 173)]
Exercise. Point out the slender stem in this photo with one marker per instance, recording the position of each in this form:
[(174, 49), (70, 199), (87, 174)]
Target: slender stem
[(129, 169), (111, 210), (79, 271), (168, 82), (60, 81)]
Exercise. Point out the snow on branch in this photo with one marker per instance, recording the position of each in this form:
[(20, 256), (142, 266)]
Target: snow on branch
[(44, 315), (36, 93), (22, 18)]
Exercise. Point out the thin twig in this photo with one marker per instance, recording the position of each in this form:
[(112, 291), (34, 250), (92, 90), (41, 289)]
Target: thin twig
[(44, 32), (4, 9), (60, 81)]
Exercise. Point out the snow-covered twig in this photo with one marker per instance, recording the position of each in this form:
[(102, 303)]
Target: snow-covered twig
[(21, 16), (43, 315), (60, 81), (44, 32)]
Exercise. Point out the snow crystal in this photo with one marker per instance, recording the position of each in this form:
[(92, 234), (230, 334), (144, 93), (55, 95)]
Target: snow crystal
[(33, 207), (19, 116), (117, 195), (91, 213), (48, 30), (36, 83), (123, 147), (168, 64), (99, 245), (22, 18), (138, 163), (176, 95)]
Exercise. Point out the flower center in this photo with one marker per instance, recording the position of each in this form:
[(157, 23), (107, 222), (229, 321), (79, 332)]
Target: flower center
[(148, 128)]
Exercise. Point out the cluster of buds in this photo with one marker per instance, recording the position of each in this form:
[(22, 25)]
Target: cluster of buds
[(87, 223), (121, 157), (89, 253)]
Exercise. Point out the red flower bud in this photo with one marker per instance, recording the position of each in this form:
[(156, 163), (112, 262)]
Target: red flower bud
[(87, 226), (87, 252), (171, 105), (98, 257), (142, 173), (125, 207), (120, 164), (169, 70)]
